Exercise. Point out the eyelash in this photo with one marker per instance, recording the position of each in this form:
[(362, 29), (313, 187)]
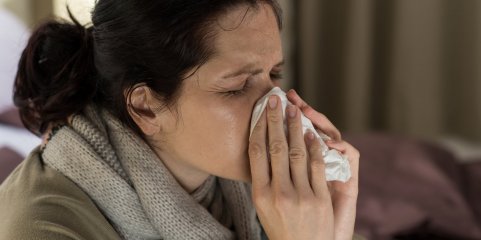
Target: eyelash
[(274, 77)]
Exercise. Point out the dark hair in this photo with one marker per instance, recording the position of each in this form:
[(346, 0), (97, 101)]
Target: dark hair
[(66, 66)]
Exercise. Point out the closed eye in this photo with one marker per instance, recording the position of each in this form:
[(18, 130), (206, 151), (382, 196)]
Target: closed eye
[(275, 76)]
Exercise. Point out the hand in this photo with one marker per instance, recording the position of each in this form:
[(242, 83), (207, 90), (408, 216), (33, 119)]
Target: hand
[(343, 195), (289, 187)]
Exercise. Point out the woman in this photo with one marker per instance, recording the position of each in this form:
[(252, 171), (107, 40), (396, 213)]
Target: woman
[(147, 117)]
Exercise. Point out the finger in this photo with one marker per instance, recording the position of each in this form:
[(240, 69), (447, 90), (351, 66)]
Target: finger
[(351, 152), (277, 144), (259, 163), (297, 151), (343, 147), (318, 119), (340, 146), (353, 156), (317, 166)]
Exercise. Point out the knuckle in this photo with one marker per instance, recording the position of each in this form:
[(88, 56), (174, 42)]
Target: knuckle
[(297, 155), (315, 148), (322, 200), (283, 200), (293, 126), (318, 164), (258, 129), (274, 117), (277, 147), (310, 203), (255, 150), (354, 151), (308, 110)]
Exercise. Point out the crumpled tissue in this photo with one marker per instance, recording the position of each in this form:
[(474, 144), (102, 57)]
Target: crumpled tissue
[(337, 165)]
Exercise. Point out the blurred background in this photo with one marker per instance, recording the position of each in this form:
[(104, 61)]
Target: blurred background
[(406, 67), (400, 78), (410, 67)]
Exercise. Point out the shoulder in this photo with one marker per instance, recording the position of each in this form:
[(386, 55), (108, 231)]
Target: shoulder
[(38, 202)]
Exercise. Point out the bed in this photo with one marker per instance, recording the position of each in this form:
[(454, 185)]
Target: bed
[(412, 189)]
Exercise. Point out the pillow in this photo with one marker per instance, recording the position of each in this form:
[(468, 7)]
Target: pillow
[(9, 159), (472, 172), (13, 38), (11, 117)]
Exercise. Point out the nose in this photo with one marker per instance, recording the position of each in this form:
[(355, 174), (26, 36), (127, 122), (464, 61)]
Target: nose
[(267, 85), (262, 89)]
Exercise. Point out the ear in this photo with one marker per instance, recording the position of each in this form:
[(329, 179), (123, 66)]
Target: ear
[(141, 105)]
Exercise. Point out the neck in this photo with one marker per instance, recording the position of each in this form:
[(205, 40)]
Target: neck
[(189, 177)]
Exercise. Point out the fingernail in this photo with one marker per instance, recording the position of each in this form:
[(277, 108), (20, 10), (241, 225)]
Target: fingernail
[(273, 102), (310, 135), (291, 111)]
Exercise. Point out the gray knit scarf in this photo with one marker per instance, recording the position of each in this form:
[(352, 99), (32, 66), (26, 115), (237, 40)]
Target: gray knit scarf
[(137, 193)]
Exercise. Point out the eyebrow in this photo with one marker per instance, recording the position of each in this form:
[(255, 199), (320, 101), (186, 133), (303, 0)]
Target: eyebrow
[(249, 68)]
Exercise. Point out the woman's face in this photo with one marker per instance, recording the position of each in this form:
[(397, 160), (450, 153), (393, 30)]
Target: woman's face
[(209, 132)]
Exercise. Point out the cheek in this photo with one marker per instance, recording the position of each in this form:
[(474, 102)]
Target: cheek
[(230, 125), (219, 131), (236, 128)]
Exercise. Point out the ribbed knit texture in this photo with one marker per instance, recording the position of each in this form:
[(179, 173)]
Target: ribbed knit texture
[(137, 193)]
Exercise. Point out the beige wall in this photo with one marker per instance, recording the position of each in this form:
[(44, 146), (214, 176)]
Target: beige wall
[(34, 11), (20, 8), (81, 9), (29, 11)]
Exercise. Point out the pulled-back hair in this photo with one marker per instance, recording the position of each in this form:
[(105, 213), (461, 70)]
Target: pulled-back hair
[(66, 66)]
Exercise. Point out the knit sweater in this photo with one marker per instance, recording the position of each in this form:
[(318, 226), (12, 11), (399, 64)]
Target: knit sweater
[(88, 190), (37, 202), (137, 193)]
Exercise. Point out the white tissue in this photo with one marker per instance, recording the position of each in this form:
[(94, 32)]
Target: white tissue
[(337, 165)]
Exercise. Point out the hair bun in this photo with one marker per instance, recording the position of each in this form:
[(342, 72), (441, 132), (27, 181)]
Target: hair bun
[(55, 76), (59, 43)]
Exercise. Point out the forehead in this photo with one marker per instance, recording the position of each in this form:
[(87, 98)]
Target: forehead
[(247, 32)]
